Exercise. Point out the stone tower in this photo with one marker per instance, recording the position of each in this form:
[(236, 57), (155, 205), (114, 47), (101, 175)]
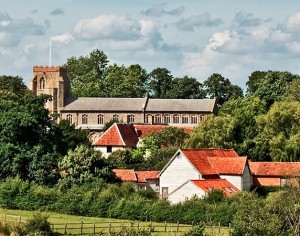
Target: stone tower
[(52, 81)]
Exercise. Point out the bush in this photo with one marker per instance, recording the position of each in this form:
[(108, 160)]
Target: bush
[(38, 225), (197, 230)]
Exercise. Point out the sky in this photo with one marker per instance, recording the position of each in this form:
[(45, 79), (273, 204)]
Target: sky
[(194, 38)]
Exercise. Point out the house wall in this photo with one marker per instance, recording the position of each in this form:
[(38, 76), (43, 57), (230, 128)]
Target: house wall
[(104, 150), (185, 192), (178, 172), (236, 180)]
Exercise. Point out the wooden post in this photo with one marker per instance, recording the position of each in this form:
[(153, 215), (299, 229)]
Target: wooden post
[(177, 226), (20, 220), (150, 226), (219, 227), (65, 228), (138, 226), (165, 226), (81, 227), (109, 229), (94, 228), (5, 219)]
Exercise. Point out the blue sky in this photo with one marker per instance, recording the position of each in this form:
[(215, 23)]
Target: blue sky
[(195, 38)]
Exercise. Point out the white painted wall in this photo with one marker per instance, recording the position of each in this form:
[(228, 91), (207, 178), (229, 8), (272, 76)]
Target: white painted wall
[(186, 191), (104, 150), (178, 172), (236, 180)]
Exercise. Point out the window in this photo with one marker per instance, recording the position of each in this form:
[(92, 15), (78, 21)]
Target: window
[(100, 119), (84, 119), (116, 118), (167, 119), (165, 192), (194, 120), (157, 119), (70, 118), (130, 119), (185, 119), (42, 83), (176, 119), (109, 149)]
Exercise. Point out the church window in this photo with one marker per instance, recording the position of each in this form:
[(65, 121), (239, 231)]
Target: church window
[(42, 83), (167, 119), (185, 119), (116, 118), (84, 119), (176, 119), (158, 119), (131, 119), (70, 118), (194, 120), (100, 119)]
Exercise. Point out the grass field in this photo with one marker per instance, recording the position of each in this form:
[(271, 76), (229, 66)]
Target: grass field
[(76, 225)]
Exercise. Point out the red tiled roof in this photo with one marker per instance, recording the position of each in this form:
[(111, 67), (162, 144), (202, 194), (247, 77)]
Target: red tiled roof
[(125, 174), (142, 176), (228, 165), (118, 135), (220, 184), (275, 168), (144, 129), (206, 161)]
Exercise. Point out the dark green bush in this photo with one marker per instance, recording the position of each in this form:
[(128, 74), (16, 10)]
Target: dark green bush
[(38, 225)]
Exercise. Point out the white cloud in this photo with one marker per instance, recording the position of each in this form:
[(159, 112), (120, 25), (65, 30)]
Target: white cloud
[(293, 23), (62, 38)]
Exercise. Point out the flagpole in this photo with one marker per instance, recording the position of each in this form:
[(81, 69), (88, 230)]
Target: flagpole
[(50, 52)]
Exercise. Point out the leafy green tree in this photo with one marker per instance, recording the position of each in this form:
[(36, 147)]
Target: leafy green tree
[(160, 83), (186, 88), (87, 74), (292, 91), (215, 132), (218, 87), (270, 86), (84, 165), (278, 132), (12, 87), (244, 110)]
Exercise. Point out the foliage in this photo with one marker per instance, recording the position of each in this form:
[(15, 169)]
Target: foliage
[(38, 225), (279, 132), (197, 230), (12, 87), (160, 83), (216, 131), (84, 164)]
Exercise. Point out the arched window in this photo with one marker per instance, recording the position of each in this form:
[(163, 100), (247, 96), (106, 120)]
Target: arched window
[(185, 119), (130, 119), (116, 118), (70, 118), (157, 119), (194, 119), (84, 119), (100, 119), (42, 83), (167, 119), (176, 119)]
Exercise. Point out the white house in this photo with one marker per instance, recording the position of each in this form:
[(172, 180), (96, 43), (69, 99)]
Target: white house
[(204, 164)]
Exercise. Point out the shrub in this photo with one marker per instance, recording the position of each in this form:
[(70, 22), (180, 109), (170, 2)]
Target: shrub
[(38, 225), (197, 230)]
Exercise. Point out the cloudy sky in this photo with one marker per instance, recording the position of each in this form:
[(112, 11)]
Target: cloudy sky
[(193, 37)]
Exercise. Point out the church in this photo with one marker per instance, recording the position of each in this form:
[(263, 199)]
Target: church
[(93, 112)]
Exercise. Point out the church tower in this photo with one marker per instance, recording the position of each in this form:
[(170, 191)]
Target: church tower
[(53, 81)]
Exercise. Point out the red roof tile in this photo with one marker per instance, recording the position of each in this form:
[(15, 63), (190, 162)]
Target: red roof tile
[(118, 135), (125, 174), (142, 176), (275, 168), (220, 184), (206, 161), (144, 129), (228, 165)]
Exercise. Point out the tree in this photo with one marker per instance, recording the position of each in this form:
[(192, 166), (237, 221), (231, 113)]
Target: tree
[(215, 132), (84, 165), (278, 132), (160, 83), (292, 91), (87, 73), (220, 88), (186, 88), (12, 87), (270, 86)]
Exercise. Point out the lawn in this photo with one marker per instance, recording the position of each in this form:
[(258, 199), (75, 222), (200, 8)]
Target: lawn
[(76, 225)]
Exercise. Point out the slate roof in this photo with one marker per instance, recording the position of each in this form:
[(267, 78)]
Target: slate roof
[(106, 104), (125, 175), (275, 168), (181, 105), (119, 134), (220, 184)]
